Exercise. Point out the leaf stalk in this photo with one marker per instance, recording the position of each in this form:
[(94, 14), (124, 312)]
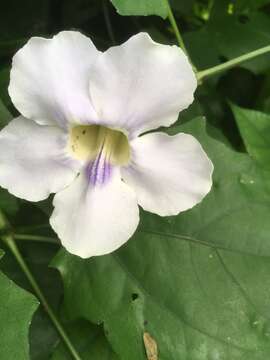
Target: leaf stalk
[(231, 63)]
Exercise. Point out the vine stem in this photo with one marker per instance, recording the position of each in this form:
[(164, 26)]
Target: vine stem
[(175, 28), (36, 238), (231, 63), (177, 32), (10, 242)]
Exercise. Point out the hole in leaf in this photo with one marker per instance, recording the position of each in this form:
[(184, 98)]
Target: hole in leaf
[(134, 296)]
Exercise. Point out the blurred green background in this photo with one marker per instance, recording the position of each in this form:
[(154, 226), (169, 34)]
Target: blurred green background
[(214, 31)]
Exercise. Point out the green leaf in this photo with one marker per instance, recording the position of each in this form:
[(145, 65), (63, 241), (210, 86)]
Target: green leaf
[(195, 42), (254, 127), (90, 342), (187, 280), (197, 302), (234, 37), (16, 310), (141, 7)]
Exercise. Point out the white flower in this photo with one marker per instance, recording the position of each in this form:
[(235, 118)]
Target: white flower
[(83, 112)]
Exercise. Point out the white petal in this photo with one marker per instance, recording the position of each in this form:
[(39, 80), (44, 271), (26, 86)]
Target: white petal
[(95, 220), (169, 174), (33, 160), (141, 85), (50, 79)]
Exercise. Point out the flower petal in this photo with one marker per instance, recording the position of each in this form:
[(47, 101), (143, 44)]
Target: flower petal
[(141, 85), (93, 220), (169, 174), (49, 79), (33, 161)]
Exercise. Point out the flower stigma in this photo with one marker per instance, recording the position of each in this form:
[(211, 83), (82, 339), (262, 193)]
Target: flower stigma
[(86, 142)]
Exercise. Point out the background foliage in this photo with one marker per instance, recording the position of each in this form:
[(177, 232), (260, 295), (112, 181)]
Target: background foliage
[(198, 283)]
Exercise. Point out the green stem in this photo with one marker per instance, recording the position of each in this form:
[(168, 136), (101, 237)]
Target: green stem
[(176, 29), (37, 238), (9, 241), (231, 63)]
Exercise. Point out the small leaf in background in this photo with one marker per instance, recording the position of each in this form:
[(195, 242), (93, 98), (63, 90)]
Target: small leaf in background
[(16, 310), (254, 127), (141, 7)]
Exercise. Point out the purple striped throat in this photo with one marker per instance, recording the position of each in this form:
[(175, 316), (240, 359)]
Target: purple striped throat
[(99, 171), (100, 148)]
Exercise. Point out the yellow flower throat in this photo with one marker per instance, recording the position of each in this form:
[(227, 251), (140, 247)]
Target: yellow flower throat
[(87, 141)]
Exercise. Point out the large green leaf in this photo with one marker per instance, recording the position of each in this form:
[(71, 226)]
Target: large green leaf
[(197, 302), (16, 310), (254, 127), (187, 280), (141, 7)]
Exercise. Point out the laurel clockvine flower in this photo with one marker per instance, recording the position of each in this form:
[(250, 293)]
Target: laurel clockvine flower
[(80, 135)]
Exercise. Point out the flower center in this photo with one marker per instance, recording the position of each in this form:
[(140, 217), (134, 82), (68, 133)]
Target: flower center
[(86, 142)]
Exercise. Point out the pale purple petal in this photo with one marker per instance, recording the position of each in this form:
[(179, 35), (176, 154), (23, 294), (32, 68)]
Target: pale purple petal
[(95, 219), (33, 160), (169, 174), (141, 85), (50, 79)]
